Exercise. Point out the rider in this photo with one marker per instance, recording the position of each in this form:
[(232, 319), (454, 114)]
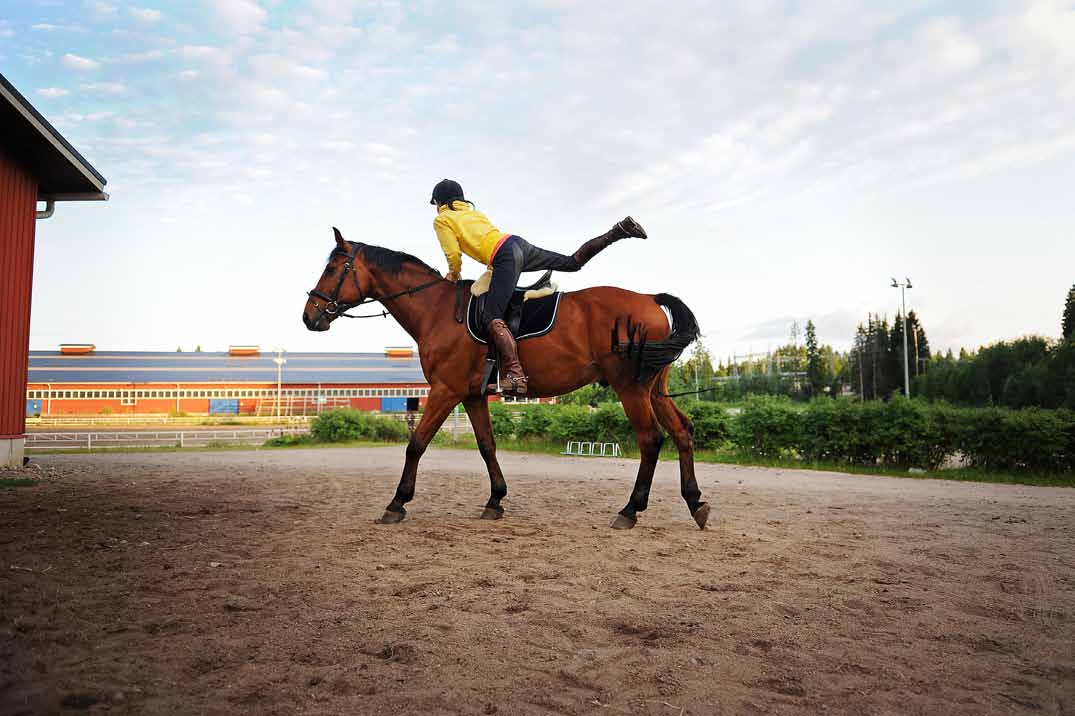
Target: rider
[(462, 228)]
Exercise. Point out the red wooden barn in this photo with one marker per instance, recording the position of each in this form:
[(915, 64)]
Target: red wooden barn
[(36, 165)]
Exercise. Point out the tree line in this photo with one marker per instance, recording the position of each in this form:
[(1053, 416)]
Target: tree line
[(1034, 371)]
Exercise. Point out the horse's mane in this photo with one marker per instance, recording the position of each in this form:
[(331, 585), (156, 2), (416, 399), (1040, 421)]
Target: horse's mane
[(393, 261)]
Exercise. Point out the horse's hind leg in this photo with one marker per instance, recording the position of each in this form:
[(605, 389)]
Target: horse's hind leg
[(478, 411), (681, 429), (438, 406), (636, 404)]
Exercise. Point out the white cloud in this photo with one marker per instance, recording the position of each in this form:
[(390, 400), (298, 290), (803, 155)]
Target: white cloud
[(52, 92), (239, 15), (446, 45), (45, 27), (105, 87), (950, 47), (276, 67), (188, 75), (142, 56), (80, 64), (203, 53), (146, 15)]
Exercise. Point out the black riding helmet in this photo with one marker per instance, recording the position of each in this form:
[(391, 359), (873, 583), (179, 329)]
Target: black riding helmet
[(446, 191)]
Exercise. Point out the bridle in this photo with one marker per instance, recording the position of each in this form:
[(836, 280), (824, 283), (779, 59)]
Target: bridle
[(332, 306)]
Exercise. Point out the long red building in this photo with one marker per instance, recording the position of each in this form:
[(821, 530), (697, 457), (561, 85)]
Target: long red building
[(36, 165), (83, 381)]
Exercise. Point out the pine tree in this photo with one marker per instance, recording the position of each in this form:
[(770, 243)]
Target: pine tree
[(919, 344), (815, 366), (1068, 323), (857, 364)]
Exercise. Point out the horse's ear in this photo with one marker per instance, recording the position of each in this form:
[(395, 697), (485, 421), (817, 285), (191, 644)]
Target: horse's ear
[(340, 241)]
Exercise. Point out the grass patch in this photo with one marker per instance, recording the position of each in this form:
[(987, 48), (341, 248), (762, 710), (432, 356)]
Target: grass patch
[(17, 481), (963, 474), (315, 444), (730, 456)]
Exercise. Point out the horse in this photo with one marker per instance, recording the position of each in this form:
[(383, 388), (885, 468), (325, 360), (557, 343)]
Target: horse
[(587, 345)]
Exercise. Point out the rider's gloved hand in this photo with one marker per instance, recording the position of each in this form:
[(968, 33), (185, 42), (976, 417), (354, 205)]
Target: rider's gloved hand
[(453, 276)]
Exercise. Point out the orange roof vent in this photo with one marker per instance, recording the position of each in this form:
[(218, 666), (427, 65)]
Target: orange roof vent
[(244, 350), (76, 349), (399, 352)]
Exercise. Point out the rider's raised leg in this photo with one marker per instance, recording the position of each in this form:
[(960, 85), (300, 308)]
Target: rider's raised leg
[(626, 228)]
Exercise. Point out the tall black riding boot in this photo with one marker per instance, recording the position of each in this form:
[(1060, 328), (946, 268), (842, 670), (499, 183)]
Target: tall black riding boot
[(512, 378), (622, 230)]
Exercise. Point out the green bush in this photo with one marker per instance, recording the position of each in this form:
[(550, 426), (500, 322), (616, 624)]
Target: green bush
[(500, 417), (1034, 438), (610, 424), (535, 421), (904, 432), (947, 426), (766, 426), (344, 425), (710, 423), (570, 422), (388, 429)]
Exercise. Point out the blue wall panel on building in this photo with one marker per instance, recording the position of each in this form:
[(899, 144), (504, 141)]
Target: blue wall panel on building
[(33, 408), (393, 405), (224, 406)]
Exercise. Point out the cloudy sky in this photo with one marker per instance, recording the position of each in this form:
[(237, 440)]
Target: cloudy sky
[(786, 158)]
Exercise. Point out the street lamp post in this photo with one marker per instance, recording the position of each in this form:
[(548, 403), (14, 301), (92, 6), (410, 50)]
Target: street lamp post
[(903, 300), (279, 360)]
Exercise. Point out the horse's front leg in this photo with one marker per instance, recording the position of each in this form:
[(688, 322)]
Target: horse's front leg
[(478, 412), (440, 403)]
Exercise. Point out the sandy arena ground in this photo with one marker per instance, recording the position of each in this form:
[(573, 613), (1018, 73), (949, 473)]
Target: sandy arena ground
[(256, 582)]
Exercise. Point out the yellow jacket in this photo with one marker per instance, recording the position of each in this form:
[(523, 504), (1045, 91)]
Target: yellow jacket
[(465, 229)]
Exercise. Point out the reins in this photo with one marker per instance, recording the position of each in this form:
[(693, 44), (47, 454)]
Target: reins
[(384, 314), (334, 308)]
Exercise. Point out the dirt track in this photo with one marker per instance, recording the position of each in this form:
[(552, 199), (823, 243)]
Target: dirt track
[(810, 592)]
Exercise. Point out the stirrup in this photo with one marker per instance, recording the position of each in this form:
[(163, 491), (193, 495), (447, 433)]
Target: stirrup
[(515, 385)]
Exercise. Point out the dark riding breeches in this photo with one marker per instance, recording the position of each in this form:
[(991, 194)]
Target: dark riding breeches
[(514, 257)]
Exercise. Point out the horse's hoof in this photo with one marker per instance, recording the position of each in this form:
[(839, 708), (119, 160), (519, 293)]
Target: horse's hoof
[(490, 513), (623, 522), (390, 518), (701, 515)]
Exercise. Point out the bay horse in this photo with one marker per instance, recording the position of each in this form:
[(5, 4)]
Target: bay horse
[(584, 347)]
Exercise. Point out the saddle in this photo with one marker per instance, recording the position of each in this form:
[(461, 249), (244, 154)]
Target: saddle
[(527, 316)]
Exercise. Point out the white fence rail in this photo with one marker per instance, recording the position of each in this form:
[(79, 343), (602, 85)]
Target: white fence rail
[(148, 439)]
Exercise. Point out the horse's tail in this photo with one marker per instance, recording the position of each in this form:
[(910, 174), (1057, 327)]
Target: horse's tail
[(658, 354)]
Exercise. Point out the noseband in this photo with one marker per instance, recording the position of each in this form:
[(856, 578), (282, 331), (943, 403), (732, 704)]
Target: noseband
[(332, 306)]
